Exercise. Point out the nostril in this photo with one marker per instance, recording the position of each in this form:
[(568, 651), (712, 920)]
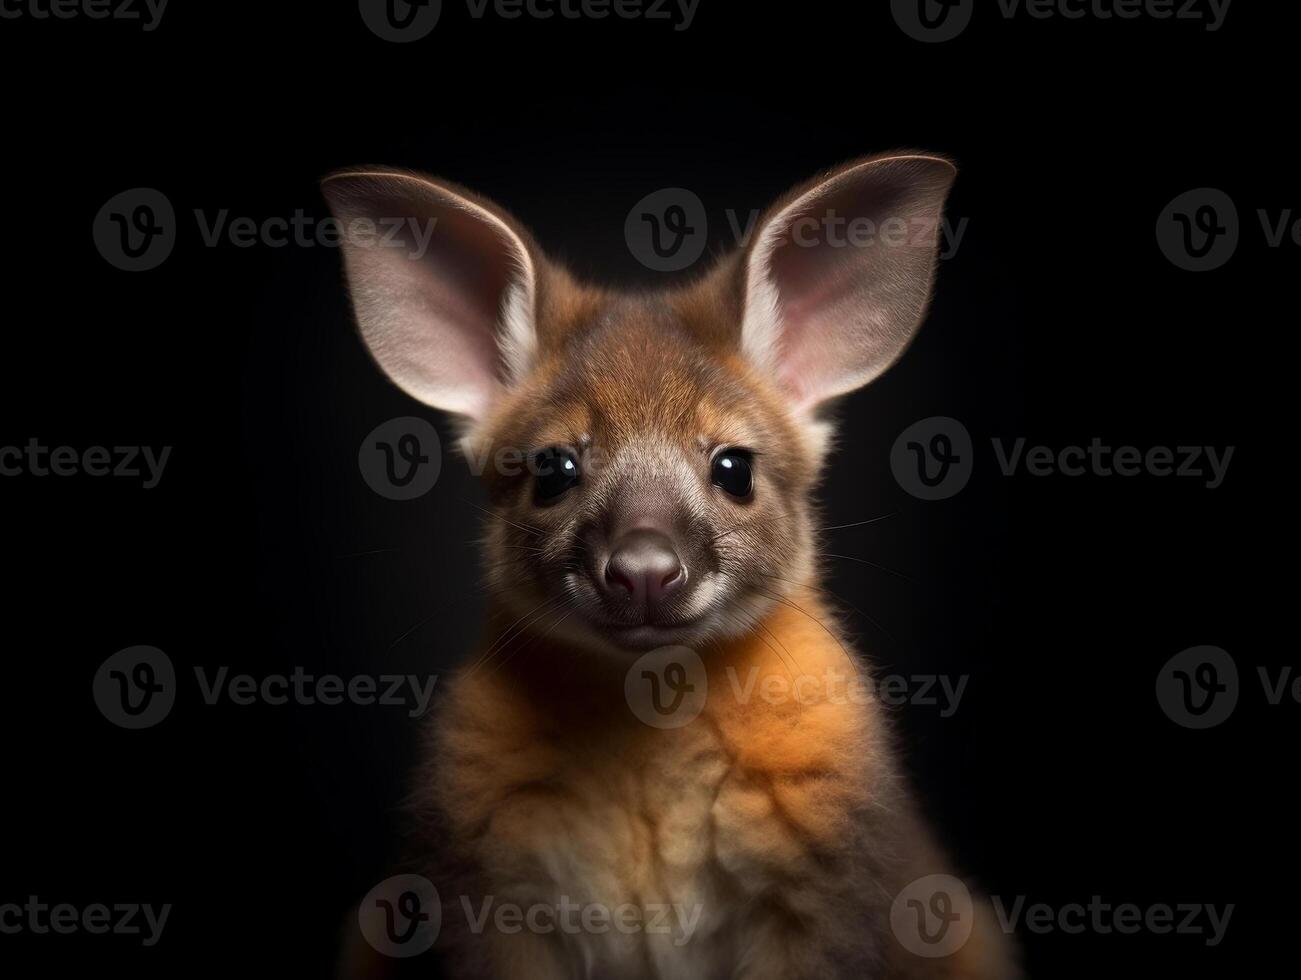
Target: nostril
[(672, 580), (673, 577), (644, 567), (619, 578)]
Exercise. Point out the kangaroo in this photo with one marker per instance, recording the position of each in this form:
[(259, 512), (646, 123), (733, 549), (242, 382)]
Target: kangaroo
[(644, 771)]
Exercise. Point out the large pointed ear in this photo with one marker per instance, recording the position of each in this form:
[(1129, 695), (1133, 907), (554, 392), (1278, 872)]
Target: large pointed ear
[(444, 285), (839, 274)]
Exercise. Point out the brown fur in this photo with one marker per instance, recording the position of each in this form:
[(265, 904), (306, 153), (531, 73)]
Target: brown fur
[(788, 824)]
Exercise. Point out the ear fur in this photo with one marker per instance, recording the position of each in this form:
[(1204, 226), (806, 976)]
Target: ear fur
[(444, 285), (839, 274)]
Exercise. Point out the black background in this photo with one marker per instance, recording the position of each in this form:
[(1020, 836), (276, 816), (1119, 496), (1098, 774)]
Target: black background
[(1059, 320)]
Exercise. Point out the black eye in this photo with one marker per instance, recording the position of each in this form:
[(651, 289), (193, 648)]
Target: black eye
[(732, 472), (556, 471)]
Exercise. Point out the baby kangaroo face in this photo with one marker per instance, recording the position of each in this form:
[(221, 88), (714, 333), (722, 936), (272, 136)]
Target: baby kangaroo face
[(663, 492), (648, 459)]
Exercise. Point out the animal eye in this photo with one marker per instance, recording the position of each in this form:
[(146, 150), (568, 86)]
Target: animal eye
[(732, 471), (556, 470)]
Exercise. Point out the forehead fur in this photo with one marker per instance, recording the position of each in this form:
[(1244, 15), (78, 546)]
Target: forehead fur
[(612, 367)]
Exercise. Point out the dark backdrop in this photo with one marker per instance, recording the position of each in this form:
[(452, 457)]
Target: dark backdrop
[(1059, 319)]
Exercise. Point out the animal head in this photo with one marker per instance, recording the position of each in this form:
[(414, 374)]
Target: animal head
[(649, 458)]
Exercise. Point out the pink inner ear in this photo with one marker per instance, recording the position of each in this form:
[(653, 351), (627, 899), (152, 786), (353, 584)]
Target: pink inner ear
[(429, 297), (851, 288)]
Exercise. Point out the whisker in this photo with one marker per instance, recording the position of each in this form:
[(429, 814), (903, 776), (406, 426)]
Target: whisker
[(490, 513), (874, 520), (565, 613), (503, 638), (839, 598), (864, 561), (830, 632)]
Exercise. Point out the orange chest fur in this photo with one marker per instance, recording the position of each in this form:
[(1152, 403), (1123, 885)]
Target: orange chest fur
[(559, 790)]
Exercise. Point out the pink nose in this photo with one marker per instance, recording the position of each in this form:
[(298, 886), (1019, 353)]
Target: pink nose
[(644, 569)]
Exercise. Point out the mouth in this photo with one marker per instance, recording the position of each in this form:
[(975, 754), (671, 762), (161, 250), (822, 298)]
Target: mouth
[(684, 623), (649, 636)]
